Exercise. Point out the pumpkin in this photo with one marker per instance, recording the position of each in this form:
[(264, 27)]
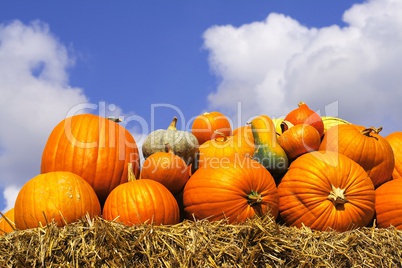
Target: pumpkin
[(323, 190), (7, 224), (303, 115), (93, 147), (363, 145), (245, 134), (205, 125), (330, 121), (166, 168), (395, 140), (183, 143), (388, 204), (61, 196), (237, 191), (141, 201), (221, 148), (299, 139)]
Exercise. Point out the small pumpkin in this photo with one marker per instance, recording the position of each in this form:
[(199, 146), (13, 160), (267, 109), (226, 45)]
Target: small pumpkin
[(141, 201), (299, 139), (7, 224), (324, 190), (363, 145), (220, 149), (303, 115), (239, 190), (93, 147), (388, 204), (207, 124), (395, 140), (183, 143), (166, 168), (61, 196)]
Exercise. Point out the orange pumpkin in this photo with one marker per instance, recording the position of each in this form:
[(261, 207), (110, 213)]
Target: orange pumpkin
[(93, 147), (141, 201), (7, 224), (60, 196), (388, 204), (205, 125), (166, 168), (299, 139), (363, 145), (222, 148), (324, 190), (239, 190), (395, 140), (303, 115)]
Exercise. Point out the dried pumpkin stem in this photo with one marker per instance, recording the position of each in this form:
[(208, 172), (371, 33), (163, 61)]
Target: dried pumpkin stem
[(131, 175), (172, 125), (221, 134), (254, 198), (337, 196), (370, 130)]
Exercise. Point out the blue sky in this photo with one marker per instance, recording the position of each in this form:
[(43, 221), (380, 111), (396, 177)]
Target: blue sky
[(158, 59)]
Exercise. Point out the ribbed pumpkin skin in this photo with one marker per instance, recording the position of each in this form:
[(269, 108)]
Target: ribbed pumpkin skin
[(395, 140), (212, 152), (299, 140), (5, 226), (373, 152), (141, 201), (168, 169), (93, 147), (218, 193), (54, 195), (388, 204), (304, 115), (304, 191), (205, 125)]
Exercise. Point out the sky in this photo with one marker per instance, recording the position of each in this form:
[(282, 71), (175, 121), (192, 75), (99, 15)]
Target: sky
[(155, 59)]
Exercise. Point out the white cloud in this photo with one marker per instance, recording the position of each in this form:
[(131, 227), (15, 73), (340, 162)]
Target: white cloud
[(273, 64), (35, 96)]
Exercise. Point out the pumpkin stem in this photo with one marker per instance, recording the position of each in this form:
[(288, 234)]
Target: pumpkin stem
[(221, 134), (337, 196), (116, 120), (254, 198), (301, 103), (168, 148), (369, 130), (172, 125), (131, 175)]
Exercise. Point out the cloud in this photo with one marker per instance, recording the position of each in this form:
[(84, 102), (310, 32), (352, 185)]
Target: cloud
[(35, 96), (273, 64)]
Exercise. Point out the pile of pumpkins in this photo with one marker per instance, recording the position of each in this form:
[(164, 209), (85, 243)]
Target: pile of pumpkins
[(303, 169)]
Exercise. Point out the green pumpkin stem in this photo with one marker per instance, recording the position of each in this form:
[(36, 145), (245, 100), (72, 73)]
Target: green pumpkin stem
[(254, 198), (131, 175), (172, 125)]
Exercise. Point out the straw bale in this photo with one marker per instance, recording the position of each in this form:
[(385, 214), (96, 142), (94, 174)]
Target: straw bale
[(260, 242)]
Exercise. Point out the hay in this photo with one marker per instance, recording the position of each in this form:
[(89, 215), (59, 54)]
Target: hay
[(260, 242)]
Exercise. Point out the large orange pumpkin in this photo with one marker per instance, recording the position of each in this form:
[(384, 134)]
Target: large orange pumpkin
[(60, 196), (363, 145), (238, 190), (324, 190), (93, 147), (141, 201), (205, 125), (388, 204), (166, 168), (7, 224), (395, 140)]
